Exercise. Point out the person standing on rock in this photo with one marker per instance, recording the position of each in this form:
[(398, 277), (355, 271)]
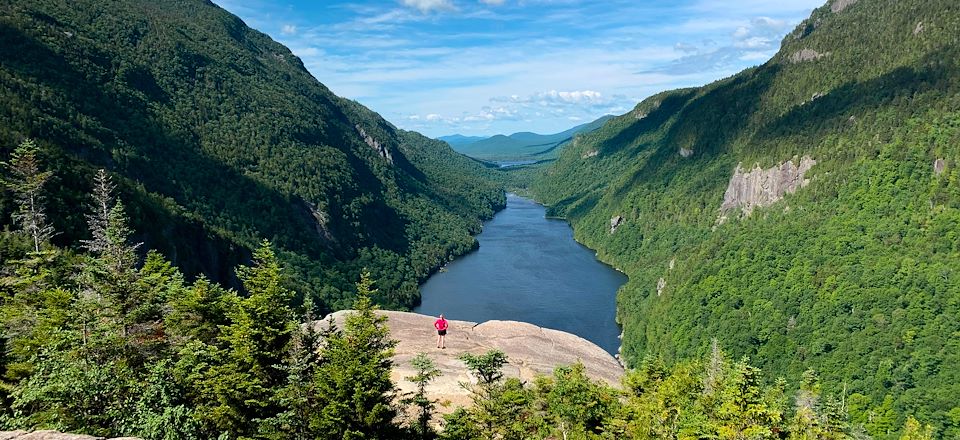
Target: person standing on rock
[(441, 325)]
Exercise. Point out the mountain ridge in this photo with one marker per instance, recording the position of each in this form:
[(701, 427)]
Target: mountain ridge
[(822, 277), (522, 145), (219, 137)]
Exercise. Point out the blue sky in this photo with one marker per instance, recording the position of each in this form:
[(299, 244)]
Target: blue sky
[(482, 67)]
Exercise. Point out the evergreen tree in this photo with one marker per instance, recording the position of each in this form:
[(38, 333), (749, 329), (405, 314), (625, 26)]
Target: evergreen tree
[(487, 367), (426, 371), (298, 396), (237, 388), (26, 181), (575, 403), (354, 375)]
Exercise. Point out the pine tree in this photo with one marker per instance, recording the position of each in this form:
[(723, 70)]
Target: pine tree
[(238, 389), (487, 367), (109, 227), (298, 396), (354, 375), (426, 372), (26, 181), (99, 217)]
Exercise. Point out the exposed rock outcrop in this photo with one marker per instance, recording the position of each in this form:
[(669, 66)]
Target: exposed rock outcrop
[(803, 55), (322, 220), (763, 187), (531, 351), (615, 223), (589, 154), (939, 166), (52, 435), (661, 284), (382, 150), (919, 29), (840, 5), (686, 152)]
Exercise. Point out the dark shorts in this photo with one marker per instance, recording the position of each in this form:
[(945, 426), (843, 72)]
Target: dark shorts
[(442, 332)]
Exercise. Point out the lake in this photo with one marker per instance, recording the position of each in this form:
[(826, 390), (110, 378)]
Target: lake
[(529, 268)]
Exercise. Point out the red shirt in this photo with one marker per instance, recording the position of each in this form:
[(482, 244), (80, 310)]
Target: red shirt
[(440, 324)]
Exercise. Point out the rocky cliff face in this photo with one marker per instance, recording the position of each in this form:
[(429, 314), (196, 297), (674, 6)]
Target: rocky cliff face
[(763, 187), (531, 351)]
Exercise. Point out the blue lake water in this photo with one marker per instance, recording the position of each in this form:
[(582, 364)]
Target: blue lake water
[(529, 268)]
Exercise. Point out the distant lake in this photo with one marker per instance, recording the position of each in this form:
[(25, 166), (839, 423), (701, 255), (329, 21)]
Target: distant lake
[(529, 268)]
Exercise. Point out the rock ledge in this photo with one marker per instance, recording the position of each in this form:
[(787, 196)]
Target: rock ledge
[(531, 350)]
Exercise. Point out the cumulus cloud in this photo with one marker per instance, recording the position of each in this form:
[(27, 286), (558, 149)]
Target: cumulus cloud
[(288, 29), (554, 97), (754, 40), (572, 106), (426, 6)]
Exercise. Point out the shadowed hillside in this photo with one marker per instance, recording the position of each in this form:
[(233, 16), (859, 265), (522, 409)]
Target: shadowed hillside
[(218, 138)]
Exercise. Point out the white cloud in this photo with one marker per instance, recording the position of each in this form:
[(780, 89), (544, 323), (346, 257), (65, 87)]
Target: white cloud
[(492, 2), (425, 6), (288, 29)]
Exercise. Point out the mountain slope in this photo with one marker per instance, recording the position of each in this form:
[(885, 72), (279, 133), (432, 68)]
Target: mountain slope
[(803, 212), (522, 145), (220, 137)]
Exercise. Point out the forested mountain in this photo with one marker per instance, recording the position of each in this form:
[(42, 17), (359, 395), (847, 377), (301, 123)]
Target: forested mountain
[(804, 212), (218, 137), (519, 146)]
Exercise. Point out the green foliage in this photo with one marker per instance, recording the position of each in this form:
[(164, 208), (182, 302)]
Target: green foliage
[(855, 274), (216, 137), (426, 371), (26, 181), (353, 377), (71, 392), (486, 367), (237, 390), (574, 403), (913, 430)]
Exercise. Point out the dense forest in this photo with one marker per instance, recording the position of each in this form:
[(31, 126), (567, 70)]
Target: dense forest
[(218, 137), (180, 196), (857, 273), (103, 342)]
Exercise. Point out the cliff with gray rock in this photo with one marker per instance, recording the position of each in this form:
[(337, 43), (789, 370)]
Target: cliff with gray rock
[(763, 187)]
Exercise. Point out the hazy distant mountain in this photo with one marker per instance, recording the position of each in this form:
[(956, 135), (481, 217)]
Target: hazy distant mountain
[(458, 140), (518, 146)]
